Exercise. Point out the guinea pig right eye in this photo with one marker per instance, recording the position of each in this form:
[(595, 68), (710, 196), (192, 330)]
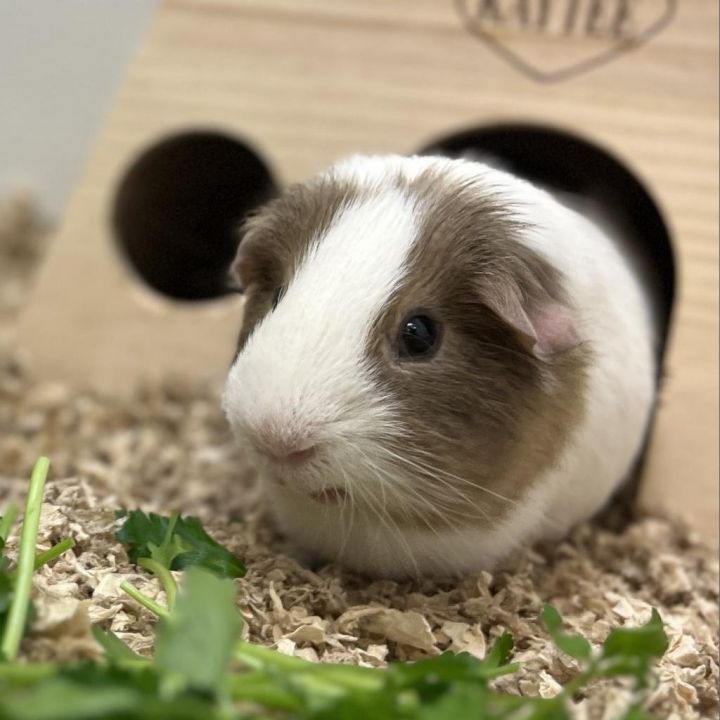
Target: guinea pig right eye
[(418, 337)]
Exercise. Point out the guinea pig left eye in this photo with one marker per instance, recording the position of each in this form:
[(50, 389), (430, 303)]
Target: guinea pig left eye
[(277, 296), (419, 337)]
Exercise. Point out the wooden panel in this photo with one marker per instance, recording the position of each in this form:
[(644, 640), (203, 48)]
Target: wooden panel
[(309, 81)]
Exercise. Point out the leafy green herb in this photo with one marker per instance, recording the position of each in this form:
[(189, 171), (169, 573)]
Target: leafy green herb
[(646, 642), (175, 543), (15, 606), (6, 589), (575, 646), (7, 520), (632, 651), (629, 652), (194, 644), (19, 601), (115, 649)]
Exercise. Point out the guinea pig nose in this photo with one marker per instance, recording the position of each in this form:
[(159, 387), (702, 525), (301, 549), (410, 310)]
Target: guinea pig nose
[(298, 456), (291, 454), (282, 448)]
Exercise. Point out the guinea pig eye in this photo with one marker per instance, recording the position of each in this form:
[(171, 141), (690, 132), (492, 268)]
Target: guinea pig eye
[(419, 337), (277, 296)]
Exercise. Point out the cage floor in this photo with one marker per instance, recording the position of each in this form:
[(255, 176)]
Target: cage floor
[(167, 448)]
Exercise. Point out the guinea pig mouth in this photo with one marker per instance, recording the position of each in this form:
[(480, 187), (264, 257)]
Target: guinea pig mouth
[(329, 496)]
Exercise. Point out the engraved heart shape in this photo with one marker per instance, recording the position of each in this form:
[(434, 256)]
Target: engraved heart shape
[(553, 40)]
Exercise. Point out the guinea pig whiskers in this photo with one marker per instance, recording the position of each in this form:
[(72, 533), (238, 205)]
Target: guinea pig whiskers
[(392, 527), (430, 472), (400, 499), (437, 506), (436, 472), (423, 509), (408, 496), (378, 475), (385, 518), (439, 501), (348, 500), (434, 501), (427, 511)]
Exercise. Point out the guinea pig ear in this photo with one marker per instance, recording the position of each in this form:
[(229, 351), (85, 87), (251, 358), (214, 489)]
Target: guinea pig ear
[(255, 263), (544, 326), (240, 270)]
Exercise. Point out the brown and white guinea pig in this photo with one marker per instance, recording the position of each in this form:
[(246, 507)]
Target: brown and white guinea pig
[(439, 363)]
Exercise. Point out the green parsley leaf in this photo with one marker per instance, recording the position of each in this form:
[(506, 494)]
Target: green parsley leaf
[(7, 520), (62, 699), (468, 702), (171, 546), (194, 644), (631, 651), (6, 594), (176, 543), (499, 653), (115, 649), (646, 641), (575, 646), (89, 691)]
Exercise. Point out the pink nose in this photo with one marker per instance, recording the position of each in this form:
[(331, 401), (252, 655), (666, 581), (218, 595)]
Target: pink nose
[(282, 448), (298, 456), (286, 454)]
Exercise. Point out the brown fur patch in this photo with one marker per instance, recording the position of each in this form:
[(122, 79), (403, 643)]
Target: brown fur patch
[(484, 410)]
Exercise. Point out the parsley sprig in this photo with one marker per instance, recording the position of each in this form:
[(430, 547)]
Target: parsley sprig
[(15, 585), (161, 544)]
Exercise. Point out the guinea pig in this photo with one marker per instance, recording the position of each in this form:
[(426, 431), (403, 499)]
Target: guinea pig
[(439, 363)]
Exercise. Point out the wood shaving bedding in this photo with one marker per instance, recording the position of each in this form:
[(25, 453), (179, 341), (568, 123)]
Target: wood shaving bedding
[(167, 447)]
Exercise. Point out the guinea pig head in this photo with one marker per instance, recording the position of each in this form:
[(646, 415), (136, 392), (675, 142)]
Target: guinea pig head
[(404, 356)]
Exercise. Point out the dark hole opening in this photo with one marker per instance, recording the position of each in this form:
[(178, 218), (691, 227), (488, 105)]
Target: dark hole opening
[(178, 209), (565, 162)]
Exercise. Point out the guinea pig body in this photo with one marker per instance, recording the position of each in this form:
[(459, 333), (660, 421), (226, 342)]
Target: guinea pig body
[(438, 364)]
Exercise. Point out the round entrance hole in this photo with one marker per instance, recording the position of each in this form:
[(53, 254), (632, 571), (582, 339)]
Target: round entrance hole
[(564, 162), (178, 210)]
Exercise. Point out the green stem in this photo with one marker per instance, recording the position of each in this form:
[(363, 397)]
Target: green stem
[(171, 527), (17, 614), (259, 657), (508, 669), (259, 687), (56, 550), (8, 520), (165, 577), (144, 600), (49, 555), (347, 677), (26, 673)]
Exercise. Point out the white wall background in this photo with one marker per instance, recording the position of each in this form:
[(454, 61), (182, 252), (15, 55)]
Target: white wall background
[(60, 64)]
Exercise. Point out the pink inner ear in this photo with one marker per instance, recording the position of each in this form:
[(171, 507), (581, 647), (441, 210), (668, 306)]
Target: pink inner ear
[(241, 268), (554, 329), (545, 328)]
